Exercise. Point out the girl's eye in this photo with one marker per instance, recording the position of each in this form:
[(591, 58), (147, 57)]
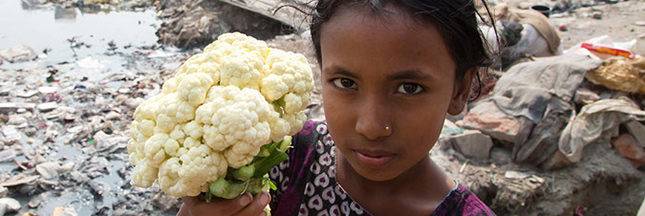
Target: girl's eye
[(344, 83), (410, 88)]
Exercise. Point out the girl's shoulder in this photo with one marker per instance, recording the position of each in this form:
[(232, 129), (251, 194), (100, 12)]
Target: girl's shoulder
[(310, 137), (310, 154), (462, 201), (311, 130)]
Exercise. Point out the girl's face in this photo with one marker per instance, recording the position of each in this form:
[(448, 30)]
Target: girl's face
[(386, 70)]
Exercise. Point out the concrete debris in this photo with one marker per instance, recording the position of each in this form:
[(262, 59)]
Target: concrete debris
[(627, 146), (637, 130), (471, 143), (487, 118)]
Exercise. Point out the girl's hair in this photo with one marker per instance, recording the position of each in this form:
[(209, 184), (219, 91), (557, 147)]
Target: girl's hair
[(456, 21)]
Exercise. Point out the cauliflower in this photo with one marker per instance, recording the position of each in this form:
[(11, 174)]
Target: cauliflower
[(223, 121)]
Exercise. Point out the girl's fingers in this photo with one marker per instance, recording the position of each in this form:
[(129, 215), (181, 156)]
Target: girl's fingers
[(196, 207), (257, 206)]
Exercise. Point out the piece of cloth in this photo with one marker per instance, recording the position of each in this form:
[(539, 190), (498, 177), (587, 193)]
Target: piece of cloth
[(537, 20), (528, 88), (593, 120), (540, 92), (306, 182)]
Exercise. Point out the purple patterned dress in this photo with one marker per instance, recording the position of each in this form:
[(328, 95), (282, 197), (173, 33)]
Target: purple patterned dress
[(307, 185)]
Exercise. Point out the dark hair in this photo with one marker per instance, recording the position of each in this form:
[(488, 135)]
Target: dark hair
[(456, 21)]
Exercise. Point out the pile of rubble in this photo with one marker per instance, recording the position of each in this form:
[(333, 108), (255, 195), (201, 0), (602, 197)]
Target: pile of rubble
[(196, 23), (558, 134)]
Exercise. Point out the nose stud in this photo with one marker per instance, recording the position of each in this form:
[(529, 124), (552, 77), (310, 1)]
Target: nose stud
[(387, 128)]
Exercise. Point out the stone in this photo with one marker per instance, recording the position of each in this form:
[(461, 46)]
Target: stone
[(18, 53), (471, 143), (637, 130), (596, 15), (46, 107), (487, 118), (627, 146)]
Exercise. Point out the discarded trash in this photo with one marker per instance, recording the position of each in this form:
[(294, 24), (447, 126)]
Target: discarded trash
[(592, 121), (3, 191), (91, 63), (27, 94), (607, 50), (52, 169), (7, 155), (64, 211), (18, 179), (604, 47), (9, 205), (516, 175), (45, 107), (545, 10), (47, 90), (18, 53), (620, 74), (11, 133)]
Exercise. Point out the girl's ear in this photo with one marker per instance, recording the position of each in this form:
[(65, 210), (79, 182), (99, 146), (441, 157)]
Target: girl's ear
[(461, 92)]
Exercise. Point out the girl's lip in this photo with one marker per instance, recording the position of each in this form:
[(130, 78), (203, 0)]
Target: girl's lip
[(373, 158)]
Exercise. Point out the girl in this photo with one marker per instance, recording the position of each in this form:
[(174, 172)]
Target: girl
[(391, 70)]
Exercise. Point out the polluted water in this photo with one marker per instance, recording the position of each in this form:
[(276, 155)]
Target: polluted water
[(66, 101)]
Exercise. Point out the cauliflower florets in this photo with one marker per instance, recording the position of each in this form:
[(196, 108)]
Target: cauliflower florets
[(217, 112)]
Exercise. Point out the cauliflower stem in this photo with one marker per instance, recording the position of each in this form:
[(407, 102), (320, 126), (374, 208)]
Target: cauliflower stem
[(253, 177)]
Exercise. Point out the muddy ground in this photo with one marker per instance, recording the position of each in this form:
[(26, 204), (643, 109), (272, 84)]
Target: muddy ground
[(72, 156)]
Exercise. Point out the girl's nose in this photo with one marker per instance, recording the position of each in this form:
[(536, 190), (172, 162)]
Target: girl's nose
[(372, 121)]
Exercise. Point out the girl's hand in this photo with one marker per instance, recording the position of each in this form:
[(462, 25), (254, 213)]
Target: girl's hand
[(244, 205)]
